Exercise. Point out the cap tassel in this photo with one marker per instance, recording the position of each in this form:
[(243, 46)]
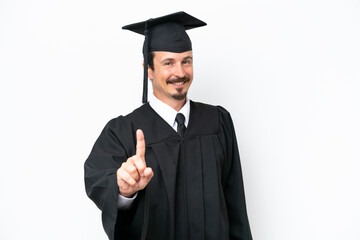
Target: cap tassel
[(145, 84)]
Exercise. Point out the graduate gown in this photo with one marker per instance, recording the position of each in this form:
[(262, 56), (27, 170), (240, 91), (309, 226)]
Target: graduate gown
[(197, 188)]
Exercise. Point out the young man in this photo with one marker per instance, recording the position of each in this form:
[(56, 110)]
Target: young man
[(171, 168)]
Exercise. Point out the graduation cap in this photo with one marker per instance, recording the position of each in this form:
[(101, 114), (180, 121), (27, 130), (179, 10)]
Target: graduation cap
[(166, 33)]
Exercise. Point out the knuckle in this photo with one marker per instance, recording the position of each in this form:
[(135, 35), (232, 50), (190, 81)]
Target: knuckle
[(132, 183), (131, 159), (122, 178), (120, 173), (123, 165), (132, 169), (139, 162), (141, 167), (130, 180)]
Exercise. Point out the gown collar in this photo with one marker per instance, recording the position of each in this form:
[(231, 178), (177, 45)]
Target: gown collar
[(168, 113)]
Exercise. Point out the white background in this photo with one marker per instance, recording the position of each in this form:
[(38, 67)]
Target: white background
[(288, 71)]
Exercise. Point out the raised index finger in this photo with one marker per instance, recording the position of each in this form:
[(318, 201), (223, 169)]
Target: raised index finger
[(140, 144)]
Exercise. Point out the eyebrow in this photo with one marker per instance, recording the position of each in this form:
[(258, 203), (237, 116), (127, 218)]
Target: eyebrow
[(167, 59), (172, 59)]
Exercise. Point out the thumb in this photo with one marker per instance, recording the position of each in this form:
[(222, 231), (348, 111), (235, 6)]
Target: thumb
[(148, 173), (145, 179)]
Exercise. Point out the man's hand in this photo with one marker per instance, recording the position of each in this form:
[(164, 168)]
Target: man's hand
[(133, 175)]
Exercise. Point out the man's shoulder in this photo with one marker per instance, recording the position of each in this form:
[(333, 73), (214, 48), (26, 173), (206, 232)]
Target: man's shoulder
[(139, 112), (207, 118), (136, 113), (200, 106), (124, 121)]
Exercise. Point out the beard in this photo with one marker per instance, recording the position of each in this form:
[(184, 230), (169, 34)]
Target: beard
[(180, 95)]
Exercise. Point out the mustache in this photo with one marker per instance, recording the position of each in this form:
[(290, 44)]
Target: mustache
[(177, 79)]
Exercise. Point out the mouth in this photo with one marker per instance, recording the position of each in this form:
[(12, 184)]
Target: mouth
[(178, 82)]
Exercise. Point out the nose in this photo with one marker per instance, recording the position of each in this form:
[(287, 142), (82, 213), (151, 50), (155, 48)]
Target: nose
[(179, 71)]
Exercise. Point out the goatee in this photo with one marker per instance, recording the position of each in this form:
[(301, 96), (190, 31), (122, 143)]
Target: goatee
[(180, 95)]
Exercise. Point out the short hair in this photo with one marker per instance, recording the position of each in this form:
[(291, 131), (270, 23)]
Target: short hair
[(151, 56)]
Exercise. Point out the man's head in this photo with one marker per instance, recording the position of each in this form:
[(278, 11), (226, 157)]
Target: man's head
[(166, 34), (171, 75)]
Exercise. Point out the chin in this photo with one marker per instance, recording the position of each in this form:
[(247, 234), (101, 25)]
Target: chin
[(179, 96)]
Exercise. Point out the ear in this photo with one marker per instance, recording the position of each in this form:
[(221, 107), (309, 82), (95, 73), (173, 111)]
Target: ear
[(150, 72)]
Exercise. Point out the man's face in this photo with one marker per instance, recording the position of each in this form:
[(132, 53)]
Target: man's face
[(172, 75)]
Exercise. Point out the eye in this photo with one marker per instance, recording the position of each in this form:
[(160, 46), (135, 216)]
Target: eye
[(187, 61)]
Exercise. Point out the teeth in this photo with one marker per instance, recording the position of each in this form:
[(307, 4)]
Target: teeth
[(179, 83)]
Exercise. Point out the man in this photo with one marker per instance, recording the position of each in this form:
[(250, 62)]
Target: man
[(171, 168)]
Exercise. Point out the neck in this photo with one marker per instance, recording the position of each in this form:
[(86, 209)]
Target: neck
[(175, 104)]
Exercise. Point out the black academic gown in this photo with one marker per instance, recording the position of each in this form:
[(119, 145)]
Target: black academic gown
[(197, 189)]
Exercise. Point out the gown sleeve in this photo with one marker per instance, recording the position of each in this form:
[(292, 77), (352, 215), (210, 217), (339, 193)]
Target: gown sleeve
[(239, 226), (100, 169)]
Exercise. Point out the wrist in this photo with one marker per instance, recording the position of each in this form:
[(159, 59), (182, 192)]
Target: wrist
[(128, 195)]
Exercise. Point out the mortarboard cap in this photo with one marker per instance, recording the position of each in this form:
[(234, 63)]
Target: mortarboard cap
[(166, 33)]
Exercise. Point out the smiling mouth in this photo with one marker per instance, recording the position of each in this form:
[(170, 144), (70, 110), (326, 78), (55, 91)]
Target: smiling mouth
[(179, 81)]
